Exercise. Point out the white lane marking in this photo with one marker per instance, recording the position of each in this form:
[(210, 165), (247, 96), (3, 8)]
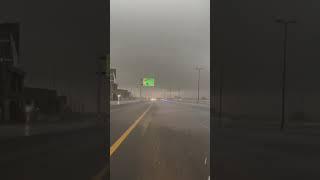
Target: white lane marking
[(145, 125), (205, 161), (208, 177)]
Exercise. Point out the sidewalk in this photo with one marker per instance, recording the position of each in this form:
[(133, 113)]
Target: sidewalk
[(190, 102), (114, 103), (36, 128), (195, 101), (302, 128)]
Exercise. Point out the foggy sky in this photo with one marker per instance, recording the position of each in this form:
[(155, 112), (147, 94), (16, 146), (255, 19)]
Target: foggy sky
[(166, 39), (60, 43), (250, 44)]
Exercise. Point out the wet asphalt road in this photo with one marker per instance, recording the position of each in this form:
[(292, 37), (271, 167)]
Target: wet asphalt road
[(170, 142), (77, 154), (260, 154)]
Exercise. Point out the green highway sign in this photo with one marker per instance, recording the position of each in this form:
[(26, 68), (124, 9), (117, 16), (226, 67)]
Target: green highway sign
[(148, 82)]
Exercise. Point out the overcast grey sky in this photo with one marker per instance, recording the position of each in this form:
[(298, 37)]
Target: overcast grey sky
[(250, 44), (166, 39), (61, 41)]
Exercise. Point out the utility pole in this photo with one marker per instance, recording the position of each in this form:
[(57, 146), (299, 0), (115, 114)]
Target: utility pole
[(199, 69), (221, 95), (98, 92), (53, 71), (284, 70), (71, 103), (139, 84)]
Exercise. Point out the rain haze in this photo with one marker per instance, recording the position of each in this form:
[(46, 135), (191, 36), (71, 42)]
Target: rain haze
[(59, 48), (168, 40), (249, 43), (164, 39)]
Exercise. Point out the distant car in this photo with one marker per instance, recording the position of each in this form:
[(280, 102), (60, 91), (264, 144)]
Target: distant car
[(153, 99)]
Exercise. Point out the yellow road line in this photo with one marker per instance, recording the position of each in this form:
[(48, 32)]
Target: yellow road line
[(116, 145), (124, 136), (100, 175)]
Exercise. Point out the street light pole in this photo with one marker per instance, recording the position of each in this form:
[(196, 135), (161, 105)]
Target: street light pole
[(140, 84), (221, 96), (53, 71), (284, 70), (199, 69)]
